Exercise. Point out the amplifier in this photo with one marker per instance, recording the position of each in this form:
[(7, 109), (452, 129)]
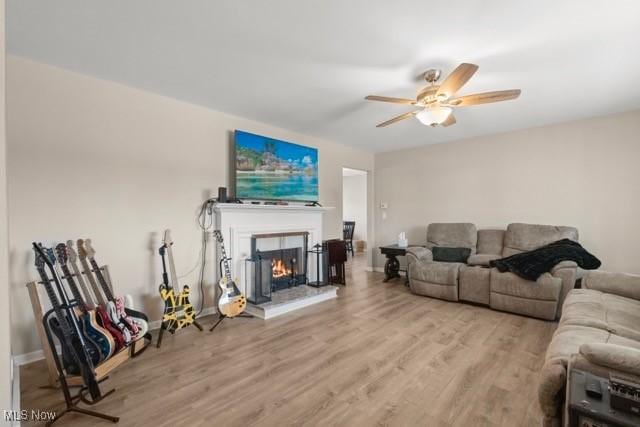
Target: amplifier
[(591, 401), (625, 394)]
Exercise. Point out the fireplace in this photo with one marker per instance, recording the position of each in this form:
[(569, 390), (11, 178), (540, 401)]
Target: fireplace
[(283, 255)]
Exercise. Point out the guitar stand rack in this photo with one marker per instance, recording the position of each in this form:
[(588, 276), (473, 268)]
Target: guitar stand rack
[(72, 401), (221, 317), (58, 378), (164, 328)]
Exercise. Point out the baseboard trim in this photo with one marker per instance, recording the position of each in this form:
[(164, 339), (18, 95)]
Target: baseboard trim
[(15, 390), (34, 356)]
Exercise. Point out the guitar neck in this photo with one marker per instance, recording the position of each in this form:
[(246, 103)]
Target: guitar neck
[(88, 299), (103, 283), (172, 268), (165, 275), (72, 285), (92, 281), (225, 262)]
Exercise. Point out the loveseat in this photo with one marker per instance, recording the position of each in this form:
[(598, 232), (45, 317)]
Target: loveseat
[(474, 281), (599, 332)]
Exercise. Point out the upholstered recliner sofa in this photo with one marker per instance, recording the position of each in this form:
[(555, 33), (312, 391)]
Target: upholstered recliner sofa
[(474, 281), (599, 332)]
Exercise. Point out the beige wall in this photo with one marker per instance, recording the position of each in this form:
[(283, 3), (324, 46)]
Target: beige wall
[(584, 173), (5, 316), (93, 158)]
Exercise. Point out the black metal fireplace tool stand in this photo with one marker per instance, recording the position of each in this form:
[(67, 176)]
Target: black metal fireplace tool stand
[(221, 317)]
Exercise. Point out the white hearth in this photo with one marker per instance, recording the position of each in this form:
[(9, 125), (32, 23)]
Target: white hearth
[(239, 222)]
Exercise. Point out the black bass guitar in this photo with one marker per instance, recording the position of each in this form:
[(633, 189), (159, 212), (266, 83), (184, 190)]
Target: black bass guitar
[(68, 330), (92, 348), (88, 321)]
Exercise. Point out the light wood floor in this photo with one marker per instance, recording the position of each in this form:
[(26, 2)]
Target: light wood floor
[(377, 355)]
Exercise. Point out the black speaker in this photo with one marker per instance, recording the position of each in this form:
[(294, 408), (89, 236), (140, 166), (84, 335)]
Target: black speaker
[(222, 195)]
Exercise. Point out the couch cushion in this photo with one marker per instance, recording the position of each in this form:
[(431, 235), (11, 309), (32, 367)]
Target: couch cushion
[(568, 338), (546, 288), (612, 313), (454, 235), (525, 237), (490, 241), (445, 254), (482, 259), (441, 273), (474, 284)]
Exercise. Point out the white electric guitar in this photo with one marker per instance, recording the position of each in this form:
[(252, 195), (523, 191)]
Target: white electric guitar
[(231, 302)]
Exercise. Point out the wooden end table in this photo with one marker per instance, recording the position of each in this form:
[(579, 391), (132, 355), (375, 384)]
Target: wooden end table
[(392, 265)]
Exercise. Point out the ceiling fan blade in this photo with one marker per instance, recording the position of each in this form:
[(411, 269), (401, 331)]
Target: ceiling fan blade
[(390, 99), (457, 79), (485, 98), (397, 119), (451, 120)]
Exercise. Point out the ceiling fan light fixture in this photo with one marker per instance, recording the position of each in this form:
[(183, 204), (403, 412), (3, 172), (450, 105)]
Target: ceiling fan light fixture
[(434, 115)]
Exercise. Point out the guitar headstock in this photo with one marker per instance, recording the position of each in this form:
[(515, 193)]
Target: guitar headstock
[(88, 248), (40, 256), (62, 253), (51, 255), (82, 253), (167, 240), (71, 253), (218, 235)]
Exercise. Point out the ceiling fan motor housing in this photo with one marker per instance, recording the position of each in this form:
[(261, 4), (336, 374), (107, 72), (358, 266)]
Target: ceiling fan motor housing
[(432, 75)]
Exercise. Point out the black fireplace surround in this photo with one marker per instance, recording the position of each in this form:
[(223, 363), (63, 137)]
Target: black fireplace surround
[(288, 261)]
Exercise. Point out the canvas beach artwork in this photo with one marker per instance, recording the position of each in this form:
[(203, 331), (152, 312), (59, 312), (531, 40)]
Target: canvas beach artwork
[(271, 169)]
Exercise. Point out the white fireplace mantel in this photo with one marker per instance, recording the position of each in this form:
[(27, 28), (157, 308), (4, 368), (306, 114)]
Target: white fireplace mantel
[(238, 222)]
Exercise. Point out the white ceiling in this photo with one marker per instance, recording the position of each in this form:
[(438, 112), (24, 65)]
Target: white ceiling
[(307, 65)]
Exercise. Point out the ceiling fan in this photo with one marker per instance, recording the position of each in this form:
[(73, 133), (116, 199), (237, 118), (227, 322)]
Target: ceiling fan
[(436, 101)]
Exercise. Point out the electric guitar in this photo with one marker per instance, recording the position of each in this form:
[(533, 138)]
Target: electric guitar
[(107, 307), (231, 302), (93, 350), (136, 322), (178, 311), (101, 312), (96, 333), (75, 355)]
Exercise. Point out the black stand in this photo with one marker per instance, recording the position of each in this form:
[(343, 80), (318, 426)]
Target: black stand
[(221, 317), (71, 401), (164, 328)]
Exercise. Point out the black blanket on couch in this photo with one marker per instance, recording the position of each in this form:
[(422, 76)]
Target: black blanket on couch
[(532, 264)]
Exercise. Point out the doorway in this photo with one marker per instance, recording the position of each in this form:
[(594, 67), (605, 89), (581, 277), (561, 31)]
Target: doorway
[(354, 207)]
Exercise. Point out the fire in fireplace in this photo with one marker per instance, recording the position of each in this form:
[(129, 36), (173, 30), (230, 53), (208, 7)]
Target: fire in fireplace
[(287, 253), (279, 269)]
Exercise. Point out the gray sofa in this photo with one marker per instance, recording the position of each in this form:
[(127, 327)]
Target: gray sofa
[(474, 281), (599, 332)]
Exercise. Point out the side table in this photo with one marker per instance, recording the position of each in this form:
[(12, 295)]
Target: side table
[(392, 265)]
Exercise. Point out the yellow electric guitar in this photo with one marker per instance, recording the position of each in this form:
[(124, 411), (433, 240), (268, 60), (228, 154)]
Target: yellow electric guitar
[(178, 310), (231, 302)]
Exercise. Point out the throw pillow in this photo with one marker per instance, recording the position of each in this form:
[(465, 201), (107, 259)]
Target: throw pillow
[(444, 254)]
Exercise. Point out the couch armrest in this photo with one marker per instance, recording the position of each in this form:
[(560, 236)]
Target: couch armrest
[(564, 264), (621, 284), (567, 272), (613, 356), (418, 253)]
